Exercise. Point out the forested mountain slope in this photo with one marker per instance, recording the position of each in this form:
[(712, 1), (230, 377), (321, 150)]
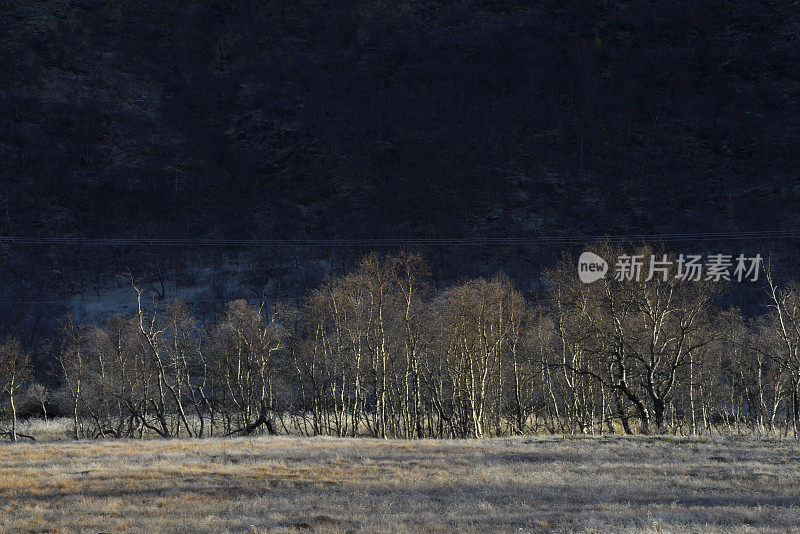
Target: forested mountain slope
[(372, 118), (384, 119)]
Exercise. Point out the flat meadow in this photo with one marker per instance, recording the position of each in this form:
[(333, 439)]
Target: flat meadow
[(289, 484)]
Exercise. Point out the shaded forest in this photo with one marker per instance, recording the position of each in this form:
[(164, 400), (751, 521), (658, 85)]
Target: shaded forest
[(383, 119), (373, 119)]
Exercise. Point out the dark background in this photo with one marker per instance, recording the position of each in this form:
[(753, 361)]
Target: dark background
[(370, 119)]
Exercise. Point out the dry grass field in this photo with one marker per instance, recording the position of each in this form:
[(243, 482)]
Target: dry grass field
[(339, 485)]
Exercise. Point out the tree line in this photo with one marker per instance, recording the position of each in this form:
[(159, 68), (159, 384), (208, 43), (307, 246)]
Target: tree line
[(380, 352)]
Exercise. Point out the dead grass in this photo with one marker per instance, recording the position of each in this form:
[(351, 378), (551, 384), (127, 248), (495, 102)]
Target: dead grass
[(339, 485)]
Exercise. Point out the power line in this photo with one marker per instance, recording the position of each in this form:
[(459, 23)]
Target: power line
[(67, 301), (388, 242), (398, 242)]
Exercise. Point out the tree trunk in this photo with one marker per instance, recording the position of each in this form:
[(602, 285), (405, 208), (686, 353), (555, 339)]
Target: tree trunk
[(13, 418)]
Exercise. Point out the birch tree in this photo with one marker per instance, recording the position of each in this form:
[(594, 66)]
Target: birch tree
[(15, 370)]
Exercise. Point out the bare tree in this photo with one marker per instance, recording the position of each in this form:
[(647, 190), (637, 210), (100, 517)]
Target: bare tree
[(785, 321), (42, 395), (633, 336), (15, 370)]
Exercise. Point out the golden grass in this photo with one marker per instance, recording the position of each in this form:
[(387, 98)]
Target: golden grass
[(285, 483)]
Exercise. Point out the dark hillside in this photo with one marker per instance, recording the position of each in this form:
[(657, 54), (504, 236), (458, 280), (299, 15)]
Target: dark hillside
[(381, 119)]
